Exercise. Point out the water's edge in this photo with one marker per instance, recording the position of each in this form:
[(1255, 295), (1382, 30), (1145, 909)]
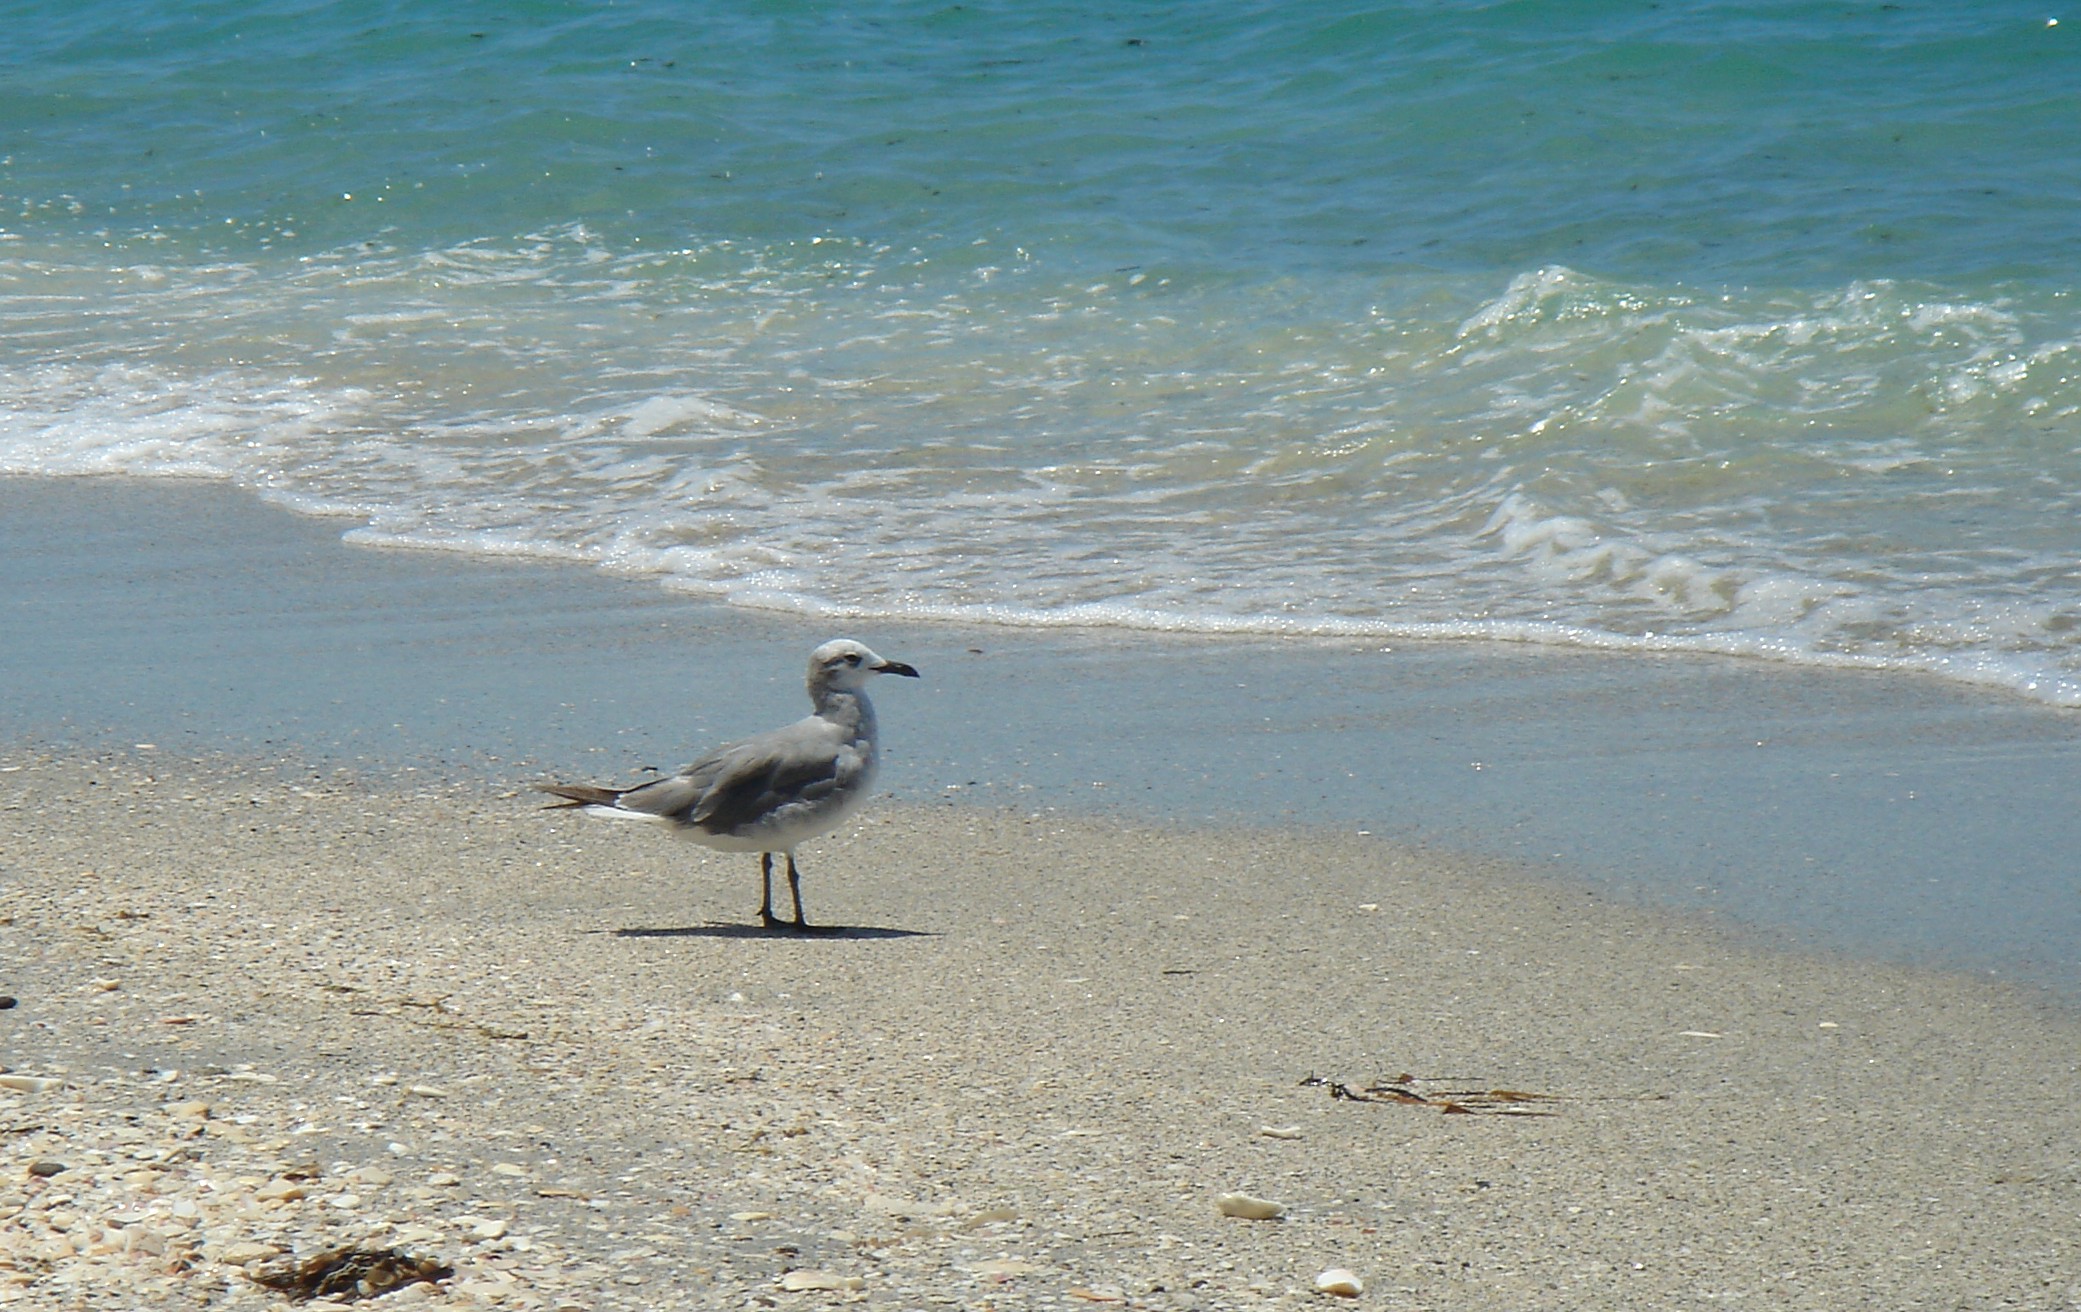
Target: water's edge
[(1886, 815)]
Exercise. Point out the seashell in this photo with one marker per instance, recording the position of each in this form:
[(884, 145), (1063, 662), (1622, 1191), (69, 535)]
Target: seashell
[(1340, 1282), (1250, 1209), (1280, 1131), (29, 1083), (797, 1281)]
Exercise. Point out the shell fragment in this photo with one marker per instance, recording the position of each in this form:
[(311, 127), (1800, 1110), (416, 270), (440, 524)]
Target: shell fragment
[(1250, 1209), (796, 1282), (1340, 1282)]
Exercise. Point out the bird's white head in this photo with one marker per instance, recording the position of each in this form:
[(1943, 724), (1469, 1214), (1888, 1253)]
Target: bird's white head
[(845, 665)]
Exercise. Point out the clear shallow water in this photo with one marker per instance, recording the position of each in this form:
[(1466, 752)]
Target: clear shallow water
[(1742, 327)]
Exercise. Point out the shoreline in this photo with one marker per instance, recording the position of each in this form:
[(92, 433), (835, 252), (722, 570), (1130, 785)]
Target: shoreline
[(294, 1011), (1889, 817)]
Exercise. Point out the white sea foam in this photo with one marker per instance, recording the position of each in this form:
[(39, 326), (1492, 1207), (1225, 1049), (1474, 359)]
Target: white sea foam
[(1871, 476), (134, 419), (660, 414)]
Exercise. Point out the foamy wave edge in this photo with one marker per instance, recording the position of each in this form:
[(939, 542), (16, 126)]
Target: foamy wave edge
[(1980, 670)]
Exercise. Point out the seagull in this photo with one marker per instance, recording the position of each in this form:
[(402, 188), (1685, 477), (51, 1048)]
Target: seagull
[(771, 792)]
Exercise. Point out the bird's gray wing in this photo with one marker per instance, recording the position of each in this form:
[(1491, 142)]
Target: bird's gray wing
[(676, 794), (740, 784), (796, 766)]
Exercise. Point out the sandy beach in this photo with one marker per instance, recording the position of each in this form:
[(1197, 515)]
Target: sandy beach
[(267, 1011), (1493, 587)]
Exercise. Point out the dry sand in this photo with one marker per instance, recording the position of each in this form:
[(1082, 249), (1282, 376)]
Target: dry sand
[(288, 1012)]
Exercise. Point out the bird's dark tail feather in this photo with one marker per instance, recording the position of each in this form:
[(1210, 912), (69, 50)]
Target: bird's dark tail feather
[(578, 795)]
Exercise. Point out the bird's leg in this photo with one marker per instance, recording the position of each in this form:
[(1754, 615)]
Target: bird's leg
[(766, 892), (795, 887)]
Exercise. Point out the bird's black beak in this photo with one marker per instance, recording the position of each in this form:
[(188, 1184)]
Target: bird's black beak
[(896, 667)]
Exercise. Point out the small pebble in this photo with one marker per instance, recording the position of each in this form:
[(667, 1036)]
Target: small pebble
[(45, 1168), (6, 1002)]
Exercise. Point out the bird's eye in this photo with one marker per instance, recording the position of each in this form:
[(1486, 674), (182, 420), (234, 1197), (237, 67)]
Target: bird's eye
[(852, 658)]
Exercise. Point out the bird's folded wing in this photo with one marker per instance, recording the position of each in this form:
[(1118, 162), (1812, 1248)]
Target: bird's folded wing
[(755, 780), (670, 797)]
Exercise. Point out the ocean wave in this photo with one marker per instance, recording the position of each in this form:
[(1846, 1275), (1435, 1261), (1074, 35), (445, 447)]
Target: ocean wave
[(1878, 475)]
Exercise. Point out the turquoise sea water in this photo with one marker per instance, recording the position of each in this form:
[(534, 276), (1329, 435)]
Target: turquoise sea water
[(1743, 327)]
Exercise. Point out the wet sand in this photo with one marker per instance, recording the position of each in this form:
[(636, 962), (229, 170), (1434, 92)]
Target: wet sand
[(1893, 817)]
